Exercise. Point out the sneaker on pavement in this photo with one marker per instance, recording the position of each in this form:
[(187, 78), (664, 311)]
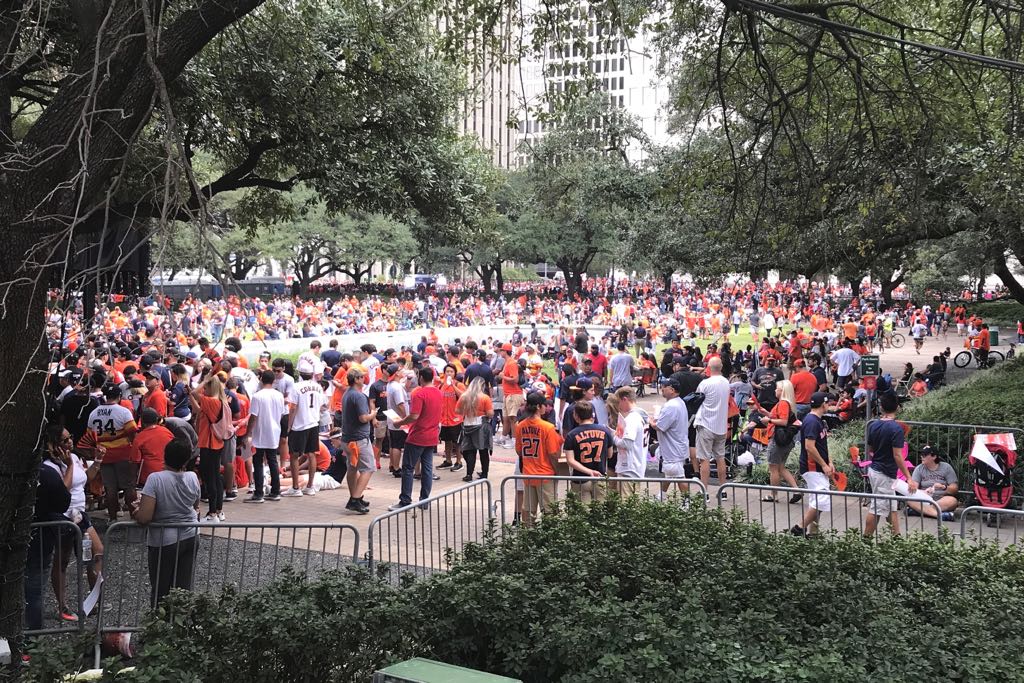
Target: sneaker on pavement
[(354, 506), (457, 467), (947, 517), (444, 465), (273, 497), (436, 477), (211, 518), (308, 491), (291, 493), (363, 503), (251, 489), (253, 499), (228, 497), (398, 506), (220, 517)]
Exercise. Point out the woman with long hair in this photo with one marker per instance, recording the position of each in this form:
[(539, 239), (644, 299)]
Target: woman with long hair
[(781, 437), (76, 475), (208, 404), (476, 409), (451, 421)]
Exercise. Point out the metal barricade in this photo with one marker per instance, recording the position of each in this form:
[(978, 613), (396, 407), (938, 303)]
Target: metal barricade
[(416, 539), (660, 488), (49, 544), (1005, 527), (208, 557), (954, 443), (847, 510)]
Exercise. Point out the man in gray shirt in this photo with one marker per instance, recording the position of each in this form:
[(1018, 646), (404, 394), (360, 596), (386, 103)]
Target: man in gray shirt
[(356, 429), (621, 367), (181, 429), (398, 401), (672, 425)]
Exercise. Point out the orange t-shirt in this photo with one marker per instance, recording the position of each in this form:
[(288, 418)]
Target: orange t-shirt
[(340, 376), (537, 442), (157, 400), (850, 330), (210, 410), (510, 378), (323, 458), (780, 411), (449, 398), (150, 443), (804, 384)]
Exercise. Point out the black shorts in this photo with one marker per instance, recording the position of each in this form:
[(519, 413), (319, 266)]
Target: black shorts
[(453, 433), (284, 427), (397, 439), (692, 434), (304, 441)]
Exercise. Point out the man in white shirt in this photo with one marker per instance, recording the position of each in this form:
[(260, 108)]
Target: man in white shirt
[(673, 425), (845, 360), (266, 408), (712, 422), (630, 438), (306, 401), (313, 358)]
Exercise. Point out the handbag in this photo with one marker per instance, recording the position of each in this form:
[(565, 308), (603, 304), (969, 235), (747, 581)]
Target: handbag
[(785, 436)]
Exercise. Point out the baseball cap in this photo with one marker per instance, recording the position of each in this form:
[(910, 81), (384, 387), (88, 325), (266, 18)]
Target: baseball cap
[(149, 416), (391, 369), (536, 398), (584, 383), (111, 391), (819, 398), (798, 363), (507, 348), (928, 450), (305, 367), (672, 382), (191, 355)]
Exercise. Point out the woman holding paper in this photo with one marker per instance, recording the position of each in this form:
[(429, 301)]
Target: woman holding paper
[(937, 479)]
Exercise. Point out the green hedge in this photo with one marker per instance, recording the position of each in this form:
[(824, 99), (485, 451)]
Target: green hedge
[(626, 591), (1003, 312)]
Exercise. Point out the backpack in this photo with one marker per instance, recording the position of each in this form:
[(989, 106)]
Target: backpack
[(693, 402), (224, 428), (992, 488)]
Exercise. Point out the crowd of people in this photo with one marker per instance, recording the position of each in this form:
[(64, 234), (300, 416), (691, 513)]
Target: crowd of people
[(698, 311), (143, 401)]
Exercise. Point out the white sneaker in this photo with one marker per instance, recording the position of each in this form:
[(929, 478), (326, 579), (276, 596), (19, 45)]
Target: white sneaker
[(308, 491), (211, 518), (291, 493), (251, 489), (220, 516)]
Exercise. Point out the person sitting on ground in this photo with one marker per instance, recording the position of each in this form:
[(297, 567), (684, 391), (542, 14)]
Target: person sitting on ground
[(937, 479), (919, 387)]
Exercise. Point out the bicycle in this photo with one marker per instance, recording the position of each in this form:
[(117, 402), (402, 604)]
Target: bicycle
[(963, 359), (894, 340)]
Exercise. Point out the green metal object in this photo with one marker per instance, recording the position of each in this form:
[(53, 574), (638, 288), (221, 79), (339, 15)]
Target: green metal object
[(869, 365), (421, 670), (993, 336)]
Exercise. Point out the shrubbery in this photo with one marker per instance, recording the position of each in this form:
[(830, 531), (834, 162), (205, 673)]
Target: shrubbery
[(626, 591)]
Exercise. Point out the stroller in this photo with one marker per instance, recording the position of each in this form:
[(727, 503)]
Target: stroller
[(993, 486)]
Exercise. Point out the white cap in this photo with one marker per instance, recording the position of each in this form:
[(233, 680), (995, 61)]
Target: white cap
[(305, 367), (746, 459)]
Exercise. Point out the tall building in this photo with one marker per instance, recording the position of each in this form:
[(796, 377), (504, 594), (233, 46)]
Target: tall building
[(492, 100), (626, 72)]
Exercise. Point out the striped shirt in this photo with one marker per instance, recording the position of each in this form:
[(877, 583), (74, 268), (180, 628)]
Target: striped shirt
[(713, 413)]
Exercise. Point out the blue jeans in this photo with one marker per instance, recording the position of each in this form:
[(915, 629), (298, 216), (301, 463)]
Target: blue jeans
[(410, 456)]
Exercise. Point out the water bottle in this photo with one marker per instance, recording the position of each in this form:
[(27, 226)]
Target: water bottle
[(86, 549)]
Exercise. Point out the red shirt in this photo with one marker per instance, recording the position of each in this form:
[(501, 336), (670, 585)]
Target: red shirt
[(425, 430), (151, 442), (157, 400), (804, 384)]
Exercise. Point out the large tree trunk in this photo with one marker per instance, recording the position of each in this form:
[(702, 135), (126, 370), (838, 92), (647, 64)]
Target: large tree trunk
[(22, 376), (889, 285), (486, 273), (1002, 271), (500, 276)]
